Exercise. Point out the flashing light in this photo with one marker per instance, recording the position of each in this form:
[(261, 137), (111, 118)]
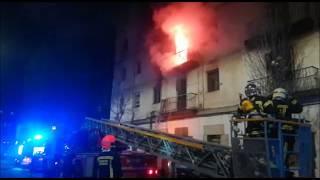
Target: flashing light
[(26, 160), (53, 128), (38, 150), (150, 172), (29, 139), (20, 149), (16, 142), (38, 137), (153, 172)]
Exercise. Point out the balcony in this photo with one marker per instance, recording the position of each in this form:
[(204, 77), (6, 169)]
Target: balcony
[(182, 103), (306, 80)]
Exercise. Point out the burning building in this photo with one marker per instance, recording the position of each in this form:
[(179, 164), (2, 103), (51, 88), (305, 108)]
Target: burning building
[(180, 67)]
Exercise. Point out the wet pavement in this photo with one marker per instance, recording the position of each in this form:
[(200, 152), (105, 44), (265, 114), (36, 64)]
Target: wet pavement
[(8, 170)]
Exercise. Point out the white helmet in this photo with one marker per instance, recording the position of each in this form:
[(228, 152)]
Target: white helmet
[(279, 94)]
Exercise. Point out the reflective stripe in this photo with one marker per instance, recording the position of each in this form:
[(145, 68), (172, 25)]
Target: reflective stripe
[(269, 102), (105, 157), (104, 160), (103, 163), (111, 170)]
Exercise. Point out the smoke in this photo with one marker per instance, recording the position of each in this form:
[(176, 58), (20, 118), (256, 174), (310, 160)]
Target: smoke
[(213, 29)]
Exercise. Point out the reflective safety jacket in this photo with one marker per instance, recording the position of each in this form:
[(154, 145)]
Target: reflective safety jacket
[(108, 165), (252, 105), (282, 109)]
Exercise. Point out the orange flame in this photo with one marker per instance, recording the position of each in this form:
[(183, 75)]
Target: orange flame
[(182, 44)]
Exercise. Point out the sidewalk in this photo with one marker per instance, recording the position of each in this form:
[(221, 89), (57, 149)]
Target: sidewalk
[(6, 163)]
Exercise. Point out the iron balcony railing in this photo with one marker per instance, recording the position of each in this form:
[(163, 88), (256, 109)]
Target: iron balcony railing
[(179, 103), (306, 79)]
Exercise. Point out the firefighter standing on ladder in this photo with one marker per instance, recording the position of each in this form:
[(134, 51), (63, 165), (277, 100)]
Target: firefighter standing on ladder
[(252, 107), (108, 164)]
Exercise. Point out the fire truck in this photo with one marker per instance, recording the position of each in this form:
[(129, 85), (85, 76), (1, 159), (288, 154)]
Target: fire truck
[(282, 154)]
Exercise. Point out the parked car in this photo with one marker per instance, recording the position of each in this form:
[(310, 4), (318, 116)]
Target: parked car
[(23, 161), (35, 163)]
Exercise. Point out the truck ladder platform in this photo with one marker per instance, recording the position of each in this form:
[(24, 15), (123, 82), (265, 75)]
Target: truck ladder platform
[(208, 159)]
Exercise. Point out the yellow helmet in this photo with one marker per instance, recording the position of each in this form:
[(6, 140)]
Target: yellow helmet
[(246, 105)]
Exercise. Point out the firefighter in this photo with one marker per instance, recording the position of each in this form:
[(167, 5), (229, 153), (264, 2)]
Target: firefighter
[(252, 107), (281, 106), (108, 164), (67, 166)]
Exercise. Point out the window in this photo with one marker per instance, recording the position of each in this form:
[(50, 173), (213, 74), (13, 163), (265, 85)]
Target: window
[(157, 93), (137, 100), (138, 70), (214, 139), (213, 80), (123, 74), (182, 131)]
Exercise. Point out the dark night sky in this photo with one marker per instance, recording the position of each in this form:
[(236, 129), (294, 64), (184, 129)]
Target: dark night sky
[(56, 60)]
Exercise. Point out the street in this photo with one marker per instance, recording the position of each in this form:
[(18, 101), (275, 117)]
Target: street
[(9, 171)]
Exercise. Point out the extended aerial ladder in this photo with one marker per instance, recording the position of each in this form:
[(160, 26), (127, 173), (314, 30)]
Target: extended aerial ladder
[(264, 156), (212, 160)]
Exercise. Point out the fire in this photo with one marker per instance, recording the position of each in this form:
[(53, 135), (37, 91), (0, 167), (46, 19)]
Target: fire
[(182, 44), (208, 30)]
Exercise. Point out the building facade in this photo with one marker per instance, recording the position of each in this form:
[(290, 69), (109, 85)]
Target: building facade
[(198, 100)]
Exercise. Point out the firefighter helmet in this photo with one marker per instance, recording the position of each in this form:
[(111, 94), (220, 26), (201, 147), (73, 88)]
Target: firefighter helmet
[(107, 141), (252, 90), (246, 105), (279, 94)]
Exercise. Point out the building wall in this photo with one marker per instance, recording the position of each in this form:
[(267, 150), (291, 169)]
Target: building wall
[(232, 81), (311, 112), (233, 74), (308, 49), (196, 127)]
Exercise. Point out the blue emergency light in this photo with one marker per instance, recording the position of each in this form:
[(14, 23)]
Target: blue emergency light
[(38, 137), (20, 149)]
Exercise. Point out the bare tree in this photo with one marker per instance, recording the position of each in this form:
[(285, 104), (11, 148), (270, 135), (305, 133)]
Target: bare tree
[(122, 97), (271, 60), (119, 106)]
